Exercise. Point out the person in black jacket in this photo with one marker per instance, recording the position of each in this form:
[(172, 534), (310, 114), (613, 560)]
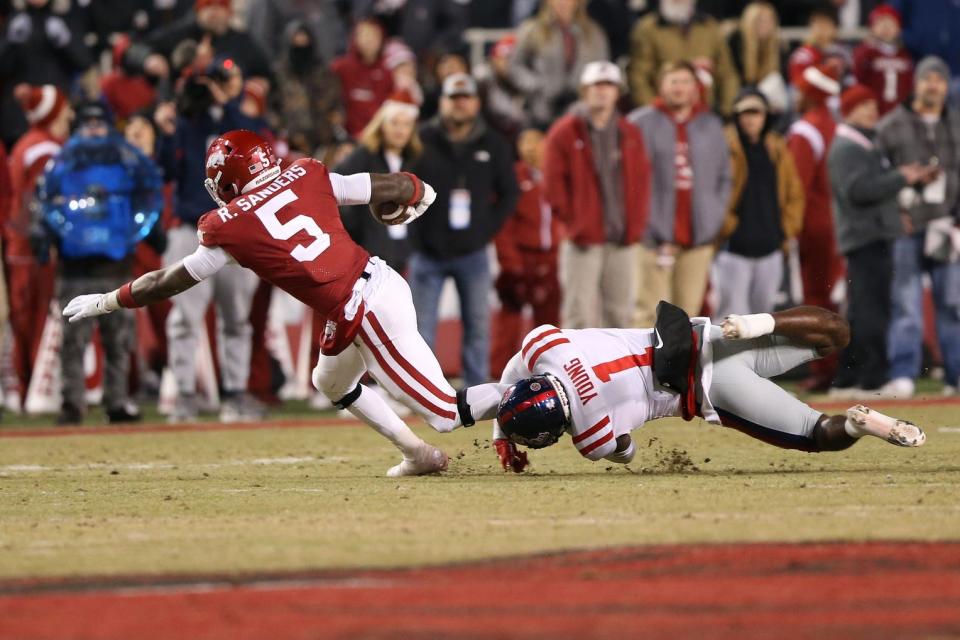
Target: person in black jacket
[(471, 168), (388, 144)]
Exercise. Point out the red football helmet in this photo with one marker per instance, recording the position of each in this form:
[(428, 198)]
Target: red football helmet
[(236, 161)]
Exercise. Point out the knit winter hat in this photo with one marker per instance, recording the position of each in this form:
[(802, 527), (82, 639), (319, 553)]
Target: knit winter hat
[(41, 104), (932, 64), (854, 97), (200, 4), (885, 11)]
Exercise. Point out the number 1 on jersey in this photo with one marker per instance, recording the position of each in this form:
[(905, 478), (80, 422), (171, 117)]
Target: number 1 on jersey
[(286, 230)]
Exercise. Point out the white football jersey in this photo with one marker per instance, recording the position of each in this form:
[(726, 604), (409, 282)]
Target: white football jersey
[(608, 377)]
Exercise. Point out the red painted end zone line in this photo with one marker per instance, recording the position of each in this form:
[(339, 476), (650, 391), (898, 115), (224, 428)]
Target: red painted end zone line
[(306, 423)]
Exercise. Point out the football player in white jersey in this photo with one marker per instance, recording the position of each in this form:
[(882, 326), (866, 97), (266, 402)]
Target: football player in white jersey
[(598, 385)]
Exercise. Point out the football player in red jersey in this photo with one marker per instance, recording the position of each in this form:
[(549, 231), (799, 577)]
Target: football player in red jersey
[(284, 225)]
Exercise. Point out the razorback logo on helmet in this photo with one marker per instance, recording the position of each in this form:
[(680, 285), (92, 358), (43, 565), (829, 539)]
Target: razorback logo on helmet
[(215, 159)]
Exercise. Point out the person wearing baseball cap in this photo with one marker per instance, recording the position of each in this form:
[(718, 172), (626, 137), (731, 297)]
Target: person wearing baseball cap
[(764, 211), (471, 167), (881, 62), (809, 140), (865, 189), (925, 129), (31, 284), (597, 178)]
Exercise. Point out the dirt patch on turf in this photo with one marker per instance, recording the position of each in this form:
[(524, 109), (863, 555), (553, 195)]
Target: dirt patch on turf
[(824, 591)]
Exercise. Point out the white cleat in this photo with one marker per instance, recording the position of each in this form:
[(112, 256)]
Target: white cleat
[(427, 459), (873, 423)]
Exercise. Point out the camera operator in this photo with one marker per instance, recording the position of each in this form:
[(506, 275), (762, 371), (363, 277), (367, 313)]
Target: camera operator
[(207, 104), (100, 197)]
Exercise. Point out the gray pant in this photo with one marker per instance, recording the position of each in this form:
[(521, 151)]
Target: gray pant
[(117, 331), (231, 289), (746, 285), (599, 285), (747, 401)]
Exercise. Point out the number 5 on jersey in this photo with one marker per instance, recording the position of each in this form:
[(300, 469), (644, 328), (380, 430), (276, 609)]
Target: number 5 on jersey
[(286, 230)]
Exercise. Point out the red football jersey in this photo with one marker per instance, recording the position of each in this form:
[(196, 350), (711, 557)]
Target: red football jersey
[(290, 234), (887, 69)]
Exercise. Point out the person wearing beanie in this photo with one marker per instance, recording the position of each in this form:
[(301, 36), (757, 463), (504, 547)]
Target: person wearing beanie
[(31, 283), (881, 62), (809, 140), (925, 130), (765, 211), (867, 219)]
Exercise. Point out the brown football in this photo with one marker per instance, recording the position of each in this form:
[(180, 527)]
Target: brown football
[(383, 209)]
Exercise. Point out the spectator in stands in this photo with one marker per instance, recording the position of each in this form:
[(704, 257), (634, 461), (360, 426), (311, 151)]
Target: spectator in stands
[(551, 52), (309, 94), (867, 214), (6, 197), (755, 50), (527, 252), (31, 283), (365, 81), (402, 64), (765, 211), (268, 22), (690, 190), (471, 168), (125, 93), (427, 26), (809, 140), (678, 32), (100, 198), (39, 48), (389, 144), (882, 63), (207, 105), (823, 24), (925, 130), (930, 28), (208, 23), (597, 179), (504, 105), (447, 64)]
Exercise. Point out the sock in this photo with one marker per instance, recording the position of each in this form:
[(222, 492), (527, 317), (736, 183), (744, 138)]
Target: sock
[(373, 410), (484, 399), (754, 325), (852, 430)]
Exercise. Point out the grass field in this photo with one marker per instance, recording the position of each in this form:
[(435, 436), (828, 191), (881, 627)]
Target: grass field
[(311, 494)]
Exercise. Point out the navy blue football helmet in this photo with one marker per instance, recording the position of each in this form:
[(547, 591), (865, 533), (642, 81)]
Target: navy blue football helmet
[(534, 412)]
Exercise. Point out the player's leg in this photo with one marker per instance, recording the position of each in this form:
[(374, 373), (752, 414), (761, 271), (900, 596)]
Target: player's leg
[(400, 360), (338, 378)]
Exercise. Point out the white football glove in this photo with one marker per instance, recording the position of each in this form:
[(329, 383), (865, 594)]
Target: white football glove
[(91, 305), (407, 214)]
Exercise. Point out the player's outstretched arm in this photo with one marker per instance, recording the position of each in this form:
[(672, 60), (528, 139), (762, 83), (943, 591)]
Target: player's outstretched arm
[(147, 289), (809, 326)]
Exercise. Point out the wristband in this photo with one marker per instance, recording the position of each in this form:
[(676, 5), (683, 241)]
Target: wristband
[(125, 296), (417, 189)]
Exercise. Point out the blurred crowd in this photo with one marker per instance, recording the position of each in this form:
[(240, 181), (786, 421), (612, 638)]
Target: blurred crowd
[(605, 155)]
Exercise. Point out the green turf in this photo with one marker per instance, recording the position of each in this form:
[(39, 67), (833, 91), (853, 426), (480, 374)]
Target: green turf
[(298, 498)]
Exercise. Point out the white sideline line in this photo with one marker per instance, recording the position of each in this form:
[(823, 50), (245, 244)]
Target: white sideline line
[(948, 430), (148, 466)]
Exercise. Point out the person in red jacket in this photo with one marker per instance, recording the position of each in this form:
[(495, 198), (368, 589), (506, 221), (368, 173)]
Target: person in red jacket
[(809, 141), (31, 283), (821, 42), (882, 62), (527, 252), (365, 81), (597, 177), (125, 93)]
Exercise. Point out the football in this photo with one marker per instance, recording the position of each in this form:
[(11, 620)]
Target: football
[(385, 209)]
